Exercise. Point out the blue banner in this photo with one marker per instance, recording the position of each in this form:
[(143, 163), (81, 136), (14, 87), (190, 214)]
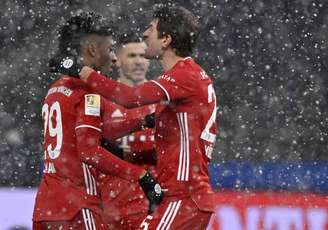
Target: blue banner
[(303, 177)]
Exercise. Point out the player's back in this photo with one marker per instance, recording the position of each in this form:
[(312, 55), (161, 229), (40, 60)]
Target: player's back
[(185, 129), (67, 183)]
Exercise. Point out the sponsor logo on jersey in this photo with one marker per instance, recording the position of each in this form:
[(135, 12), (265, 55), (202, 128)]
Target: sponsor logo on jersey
[(92, 104), (117, 113)]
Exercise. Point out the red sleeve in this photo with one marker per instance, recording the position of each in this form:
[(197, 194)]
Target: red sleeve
[(177, 84), (130, 97), (119, 121), (88, 134)]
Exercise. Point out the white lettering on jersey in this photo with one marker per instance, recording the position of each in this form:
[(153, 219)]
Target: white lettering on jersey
[(61, 89), (49, 167), (166, 78), (92, 104)]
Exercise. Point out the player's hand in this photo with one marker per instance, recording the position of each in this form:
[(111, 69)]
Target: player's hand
[(152, 190), (68, 64), (150, 120)]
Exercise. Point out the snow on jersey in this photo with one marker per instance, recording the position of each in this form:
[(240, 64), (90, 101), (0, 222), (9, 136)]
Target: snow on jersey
[(185, 129), (72, 124), (185, 126), (124, 202), (65, 176)]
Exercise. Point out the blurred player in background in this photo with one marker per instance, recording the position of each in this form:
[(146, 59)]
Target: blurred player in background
[(124, 203), (68, 196)]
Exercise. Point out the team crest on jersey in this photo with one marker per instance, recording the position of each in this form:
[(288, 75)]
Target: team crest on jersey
[(92, 104)]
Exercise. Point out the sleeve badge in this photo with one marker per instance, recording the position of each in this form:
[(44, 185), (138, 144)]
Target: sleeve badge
[(92, 104)]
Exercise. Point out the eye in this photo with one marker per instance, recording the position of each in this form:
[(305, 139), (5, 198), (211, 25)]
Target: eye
[(132, 55)]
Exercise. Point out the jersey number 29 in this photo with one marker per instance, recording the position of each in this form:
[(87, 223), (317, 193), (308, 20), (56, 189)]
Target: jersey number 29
[(53, 127)]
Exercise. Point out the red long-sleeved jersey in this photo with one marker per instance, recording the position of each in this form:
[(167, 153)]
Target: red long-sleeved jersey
[(125, 204), (72, 125), (185, 125)]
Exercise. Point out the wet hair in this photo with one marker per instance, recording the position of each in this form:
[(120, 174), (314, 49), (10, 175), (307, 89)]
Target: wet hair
[(80, 26), (181, 24), (126, 38)]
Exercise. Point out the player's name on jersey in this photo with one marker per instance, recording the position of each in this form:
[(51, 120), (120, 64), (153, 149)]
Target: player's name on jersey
[(49, 167), (61, 89), (166, 78)]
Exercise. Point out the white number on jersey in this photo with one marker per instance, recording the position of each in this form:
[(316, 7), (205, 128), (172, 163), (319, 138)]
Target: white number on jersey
[(48, 115), (144, 223), (206, 134)]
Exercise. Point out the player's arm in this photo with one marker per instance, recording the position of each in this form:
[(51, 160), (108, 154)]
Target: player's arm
[(91, 152), (88, 135), (147, 93), (119, 121)]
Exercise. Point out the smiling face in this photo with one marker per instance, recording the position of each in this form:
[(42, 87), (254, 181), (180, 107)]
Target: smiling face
[(154, 44), (132, 62)]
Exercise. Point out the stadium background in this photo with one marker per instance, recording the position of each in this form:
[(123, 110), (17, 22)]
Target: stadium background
[(269, 62)]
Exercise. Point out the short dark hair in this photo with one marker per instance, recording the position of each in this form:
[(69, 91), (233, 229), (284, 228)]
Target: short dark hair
[(81, 25), (129, 37), (181, 24)]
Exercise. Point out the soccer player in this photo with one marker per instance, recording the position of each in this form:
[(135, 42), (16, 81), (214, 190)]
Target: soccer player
[(185, 118), (125, 205), (68, 196)]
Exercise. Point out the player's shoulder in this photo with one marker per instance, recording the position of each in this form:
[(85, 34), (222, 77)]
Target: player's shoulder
[(67, 86), (187, 68)]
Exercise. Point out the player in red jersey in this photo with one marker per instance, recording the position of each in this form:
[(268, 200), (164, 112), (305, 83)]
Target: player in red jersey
[(185, 118), (124, 203), (68, 196)]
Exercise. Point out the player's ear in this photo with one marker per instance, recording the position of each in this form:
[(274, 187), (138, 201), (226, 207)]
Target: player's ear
[(91, 47), (167, 39)]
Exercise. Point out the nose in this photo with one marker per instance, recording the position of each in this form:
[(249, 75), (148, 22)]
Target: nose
[(145, 34), (139, 59)]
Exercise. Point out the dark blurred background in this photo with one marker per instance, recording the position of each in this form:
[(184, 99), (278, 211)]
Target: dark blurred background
[(268, 59)]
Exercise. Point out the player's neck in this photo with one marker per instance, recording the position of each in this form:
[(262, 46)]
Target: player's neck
[(169, 59)]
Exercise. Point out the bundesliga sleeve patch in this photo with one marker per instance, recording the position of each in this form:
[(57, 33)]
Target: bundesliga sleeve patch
[(92, 104)]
